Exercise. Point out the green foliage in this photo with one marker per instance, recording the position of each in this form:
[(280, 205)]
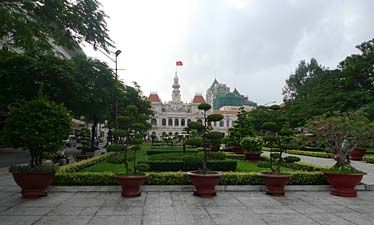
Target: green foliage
[(38, 125), (143, 167), (291, 159), (153, 152), (341, 133), (251, 144), (215, 135), (243, 127), (195, 141), (192, 163), (119, 133), (34, 24), (204, 106), (74, 167), (291, 146), (215, 117), (217, 155), (264, 164), (115, 148), (368, 158), (35, 169), (196, 126)]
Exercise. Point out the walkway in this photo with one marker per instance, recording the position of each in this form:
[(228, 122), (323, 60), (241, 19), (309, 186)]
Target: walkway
[(173, 208), (360, 165)]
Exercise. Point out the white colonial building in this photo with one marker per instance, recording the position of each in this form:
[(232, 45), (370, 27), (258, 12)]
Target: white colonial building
[(170, 118)]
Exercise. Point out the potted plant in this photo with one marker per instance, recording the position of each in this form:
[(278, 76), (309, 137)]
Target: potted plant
[(253, 147), (278, 133), (341, 133), (243, 127), (357, 154), (205, 181), (134, 125), (40, 126)]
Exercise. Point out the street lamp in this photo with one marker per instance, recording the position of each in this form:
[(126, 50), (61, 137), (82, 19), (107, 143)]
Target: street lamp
[(116, 106)]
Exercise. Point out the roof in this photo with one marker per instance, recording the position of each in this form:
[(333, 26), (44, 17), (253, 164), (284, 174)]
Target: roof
[(153, 97), (236, 92), (215, 82), (198, 99)]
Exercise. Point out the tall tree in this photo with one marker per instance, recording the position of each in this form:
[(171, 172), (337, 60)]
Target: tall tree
[(30, 24)]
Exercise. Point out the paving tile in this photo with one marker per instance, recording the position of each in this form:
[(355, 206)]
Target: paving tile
[(25, 211), (327, 219), (64, 220), (18, 220)]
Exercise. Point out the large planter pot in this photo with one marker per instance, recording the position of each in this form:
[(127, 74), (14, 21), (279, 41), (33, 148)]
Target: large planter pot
[(205, 184), (343, 184), (253, 156), (237, 150), (275, 183), (357, 154), (130, 185), (34, 184)]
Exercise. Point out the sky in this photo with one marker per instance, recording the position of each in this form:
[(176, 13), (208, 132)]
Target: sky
[(251, 45)]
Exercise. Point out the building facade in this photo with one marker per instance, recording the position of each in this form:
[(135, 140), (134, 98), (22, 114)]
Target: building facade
[(170, 118)]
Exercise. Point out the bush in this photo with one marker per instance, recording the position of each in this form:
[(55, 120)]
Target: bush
[(154, 152), (263, 164), (114, 148), (169, 156), (251, 144), (181, 178), (142, 167), (291, 146), (116, 159), (217, 155), (74, 167), (307, 153), (291, 159), (369, 158), (195, 141), (192, 163), (274, 155)]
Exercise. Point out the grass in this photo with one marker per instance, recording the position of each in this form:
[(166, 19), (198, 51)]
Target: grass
[(244, 166)]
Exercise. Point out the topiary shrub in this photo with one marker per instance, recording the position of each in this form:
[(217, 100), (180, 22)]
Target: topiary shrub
[(291, 159), (39, 125), (195, 142)]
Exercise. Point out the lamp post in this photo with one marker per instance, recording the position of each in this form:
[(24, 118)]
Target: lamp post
[(184, 136), (116, 106)]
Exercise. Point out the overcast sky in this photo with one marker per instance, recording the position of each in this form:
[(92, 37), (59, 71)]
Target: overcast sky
[(248, 44)]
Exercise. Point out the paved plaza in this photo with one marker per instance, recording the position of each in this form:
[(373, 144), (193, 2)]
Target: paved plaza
[(163, 208)]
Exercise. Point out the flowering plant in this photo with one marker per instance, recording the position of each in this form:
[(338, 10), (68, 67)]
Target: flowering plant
[(341, 133)]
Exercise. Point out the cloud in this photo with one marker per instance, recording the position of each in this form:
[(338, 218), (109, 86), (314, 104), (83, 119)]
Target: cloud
[(248, 44)]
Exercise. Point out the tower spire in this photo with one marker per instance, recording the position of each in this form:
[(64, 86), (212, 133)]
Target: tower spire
[(176, 94)]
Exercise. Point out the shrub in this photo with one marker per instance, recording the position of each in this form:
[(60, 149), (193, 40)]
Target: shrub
[(192, 163), (263, 164), (217, 155), (39, 125), (74, 167), (116, 159), (251, 144), (291, 146), (29, 169), (195, 141), (115, 148), (154, 152), (291, 159), (142, 167)]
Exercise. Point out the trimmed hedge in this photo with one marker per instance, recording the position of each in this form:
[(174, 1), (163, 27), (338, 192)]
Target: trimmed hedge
[(181, 178), (306, 153), (74, 167), (180, 165), (368, 158), (153, 152), (298, 165)]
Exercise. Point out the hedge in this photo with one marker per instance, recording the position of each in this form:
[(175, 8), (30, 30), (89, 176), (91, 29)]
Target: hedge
[(152, 152), (181, 178), (368, 158), (306, 153), (180, 165), (74, 167)]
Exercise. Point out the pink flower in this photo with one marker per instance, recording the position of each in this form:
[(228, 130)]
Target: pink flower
[(338, 133), (337, 155), (320, 128)]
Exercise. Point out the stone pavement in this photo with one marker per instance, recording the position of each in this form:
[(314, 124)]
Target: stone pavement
[(173, 208), (360, 165)]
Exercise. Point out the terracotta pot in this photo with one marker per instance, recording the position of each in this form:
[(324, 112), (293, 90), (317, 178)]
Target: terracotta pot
[(130, 185), (357, 154), (34, 184), (275, 183), (253, 156), (205, 184), (237, 150), (343, 184)]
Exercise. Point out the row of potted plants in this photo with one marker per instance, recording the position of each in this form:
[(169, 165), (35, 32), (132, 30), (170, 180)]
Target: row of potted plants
[(51, 123)]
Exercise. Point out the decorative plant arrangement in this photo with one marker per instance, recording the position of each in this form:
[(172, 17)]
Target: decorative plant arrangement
[(204, 180), (214, 138), (40, 126), (342, 133), (132, 134), (278, 133), (253, 147)]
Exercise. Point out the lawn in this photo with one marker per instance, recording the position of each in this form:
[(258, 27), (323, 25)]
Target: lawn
[(244, 166)]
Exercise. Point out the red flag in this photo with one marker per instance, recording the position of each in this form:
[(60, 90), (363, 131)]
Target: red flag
[(179, 63)]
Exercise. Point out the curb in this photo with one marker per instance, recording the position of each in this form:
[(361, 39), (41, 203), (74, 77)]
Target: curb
[(186, 188)]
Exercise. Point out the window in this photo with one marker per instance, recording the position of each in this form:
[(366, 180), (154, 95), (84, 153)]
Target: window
[(183, 123), (176, 122), (200, 121), (221, 123), (163, 122), (170, 122), (154, 122), (188, 121), (227, 123)]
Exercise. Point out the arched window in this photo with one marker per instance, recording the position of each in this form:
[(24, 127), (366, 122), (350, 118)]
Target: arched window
[(227, 123), (221, 123), (163, 122), (164, 133), (200, 121), (183, 123), (214, 124), (170, 122), (188, 121), (176, 122), (154, 122), (176, 134)]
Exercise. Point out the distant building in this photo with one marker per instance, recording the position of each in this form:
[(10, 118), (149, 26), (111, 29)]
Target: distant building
[(172, 117), (219, 95)]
